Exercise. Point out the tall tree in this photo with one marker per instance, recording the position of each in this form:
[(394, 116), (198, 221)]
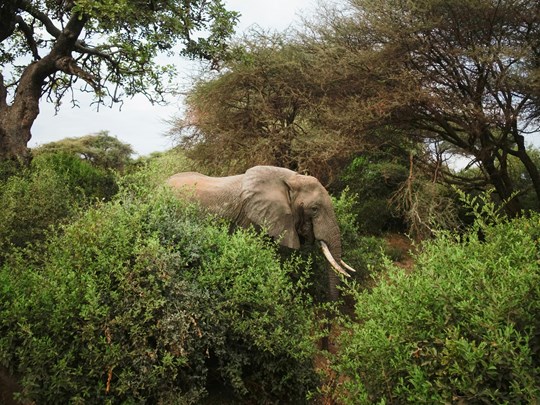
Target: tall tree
[(264, 108), (454, 71), (49, 46)]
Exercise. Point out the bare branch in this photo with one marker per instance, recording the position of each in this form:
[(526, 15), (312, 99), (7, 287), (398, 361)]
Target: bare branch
[(3, 93), (29, 36), (68, 65)]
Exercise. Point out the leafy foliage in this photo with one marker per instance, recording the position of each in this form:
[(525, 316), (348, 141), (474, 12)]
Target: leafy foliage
[(108, 48), (376, 179), (462, 327), (49, 192), (144, 300), (363, 252), (457, 74), (262, 109), (519, 176), (118, 48), (151, 171), (101, 150)]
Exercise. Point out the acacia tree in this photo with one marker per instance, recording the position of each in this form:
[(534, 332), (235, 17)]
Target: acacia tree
[(100, 149), (460, 72), (109, 47), (263, 108)]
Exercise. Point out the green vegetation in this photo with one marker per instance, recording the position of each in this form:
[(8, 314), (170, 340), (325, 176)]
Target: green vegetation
[(362, 251), (462, 327), (143, 299), (376, 177), (101, 150), (112, 290), (49, 192), (108, 48)]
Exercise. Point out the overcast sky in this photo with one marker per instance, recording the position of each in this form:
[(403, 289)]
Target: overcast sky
[(138, 123)]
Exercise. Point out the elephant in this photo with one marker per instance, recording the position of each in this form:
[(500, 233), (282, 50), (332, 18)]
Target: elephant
[(291, 207)]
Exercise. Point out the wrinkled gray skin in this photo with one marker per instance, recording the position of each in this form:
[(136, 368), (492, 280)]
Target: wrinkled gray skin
[(293, 208)]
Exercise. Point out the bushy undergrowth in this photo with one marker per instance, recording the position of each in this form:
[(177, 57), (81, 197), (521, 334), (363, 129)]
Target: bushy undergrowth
[(48, 192), (463, 327), (364, 253), (143, 300), (376, 177), (150, 172)]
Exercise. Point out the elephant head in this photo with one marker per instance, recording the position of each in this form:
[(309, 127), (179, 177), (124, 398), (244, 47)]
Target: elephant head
[(293, 208)]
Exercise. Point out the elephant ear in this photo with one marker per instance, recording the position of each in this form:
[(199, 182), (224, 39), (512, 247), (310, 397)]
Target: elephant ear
[(266, 202)]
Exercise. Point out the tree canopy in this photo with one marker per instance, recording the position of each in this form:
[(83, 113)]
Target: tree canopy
[(459, 73), (107, 47), (267, 107), (101, 150), (443, 77)]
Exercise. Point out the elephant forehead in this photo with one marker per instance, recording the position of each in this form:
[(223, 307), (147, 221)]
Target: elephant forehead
[(309, 184), (312, 182)]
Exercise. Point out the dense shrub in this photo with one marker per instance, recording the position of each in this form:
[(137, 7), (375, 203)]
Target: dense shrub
[(143, 300), (48, 192), (376, 177), (151, 171), (363, 252), (463, 327), (80, 176)]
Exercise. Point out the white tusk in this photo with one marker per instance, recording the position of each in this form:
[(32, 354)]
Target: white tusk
[(347, 266), (331, 259)]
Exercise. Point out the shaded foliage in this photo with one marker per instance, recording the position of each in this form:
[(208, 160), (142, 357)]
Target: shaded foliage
[(376, 177)]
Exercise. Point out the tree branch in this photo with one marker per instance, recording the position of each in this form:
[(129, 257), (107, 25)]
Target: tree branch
[(3, 93), (29, 35), (68, 65), (42, 17)]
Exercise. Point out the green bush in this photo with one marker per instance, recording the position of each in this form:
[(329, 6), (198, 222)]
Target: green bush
[(47, 193), (376, 177), (463, 327), (152, 171), (364, 253), (79, 176), (100, 150), (143, 300)]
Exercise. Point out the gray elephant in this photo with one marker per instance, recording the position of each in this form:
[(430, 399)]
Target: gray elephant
[(293, 208)]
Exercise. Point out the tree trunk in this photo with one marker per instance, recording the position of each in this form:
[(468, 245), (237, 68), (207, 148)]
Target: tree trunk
[(13, 139), (503, 186), (530, 166), (16, 120)]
